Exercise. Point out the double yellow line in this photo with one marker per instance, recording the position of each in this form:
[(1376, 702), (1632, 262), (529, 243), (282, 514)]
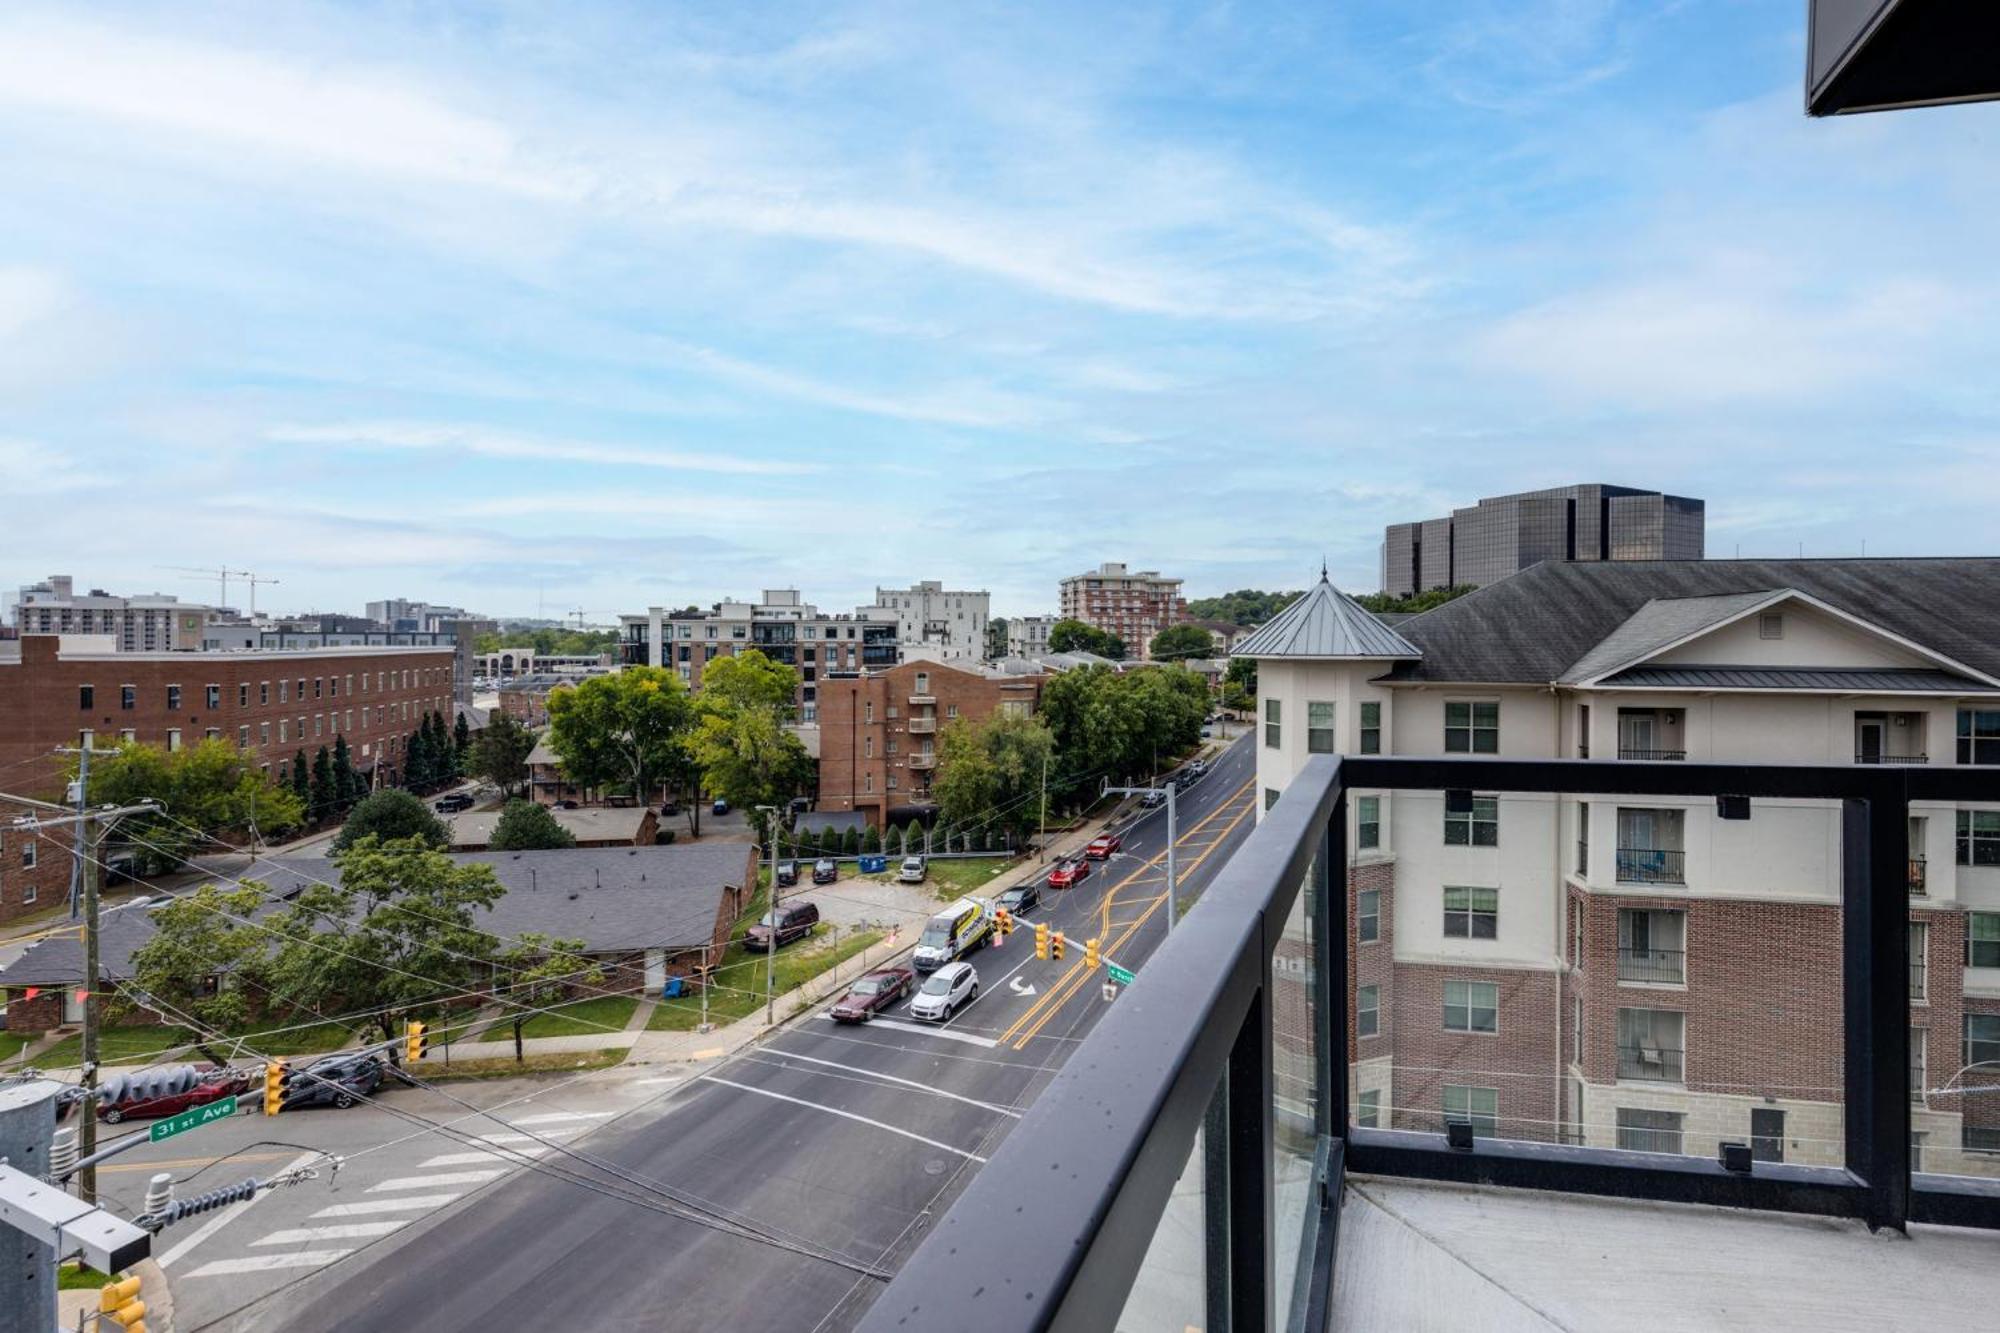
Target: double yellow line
[(1041, 1011)]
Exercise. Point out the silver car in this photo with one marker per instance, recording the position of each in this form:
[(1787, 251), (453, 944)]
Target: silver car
[(944, 991)]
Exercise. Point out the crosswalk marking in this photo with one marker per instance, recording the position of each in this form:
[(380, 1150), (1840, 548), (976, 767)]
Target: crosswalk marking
[(557, 1117), (433, 1182), (259, 1263), (315, 1235), (405, 1205), (475, 1158), (931, 1031), (530, 1138)]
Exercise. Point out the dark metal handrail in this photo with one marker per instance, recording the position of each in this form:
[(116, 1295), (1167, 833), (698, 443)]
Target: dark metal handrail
[(1651, 755), (1861, 758), (1662, 965), (1652, 865), (1663, 1063)]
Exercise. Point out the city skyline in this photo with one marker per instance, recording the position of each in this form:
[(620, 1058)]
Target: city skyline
[(609, 309)]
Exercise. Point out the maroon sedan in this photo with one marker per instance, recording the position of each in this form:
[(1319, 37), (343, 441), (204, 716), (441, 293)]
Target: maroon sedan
[(168, 1091), (876, 991)]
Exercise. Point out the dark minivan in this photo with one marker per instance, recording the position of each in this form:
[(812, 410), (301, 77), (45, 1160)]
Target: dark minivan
[(794, 921)]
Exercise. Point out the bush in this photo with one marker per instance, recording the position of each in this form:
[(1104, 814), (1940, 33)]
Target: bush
[(850, 842), (663, 838), (871, 840), (525, 826), (389, 814)]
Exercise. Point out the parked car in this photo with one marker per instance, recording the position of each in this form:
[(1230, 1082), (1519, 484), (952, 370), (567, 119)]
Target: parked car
[(1068, 874), (452, 804), (946, 989), (670, 807), (788, 874), (721, 807), (167, 1090), (825, 870), (1021, 898), (569, 805), (873, 993), (1207, 732), (1102, 846), (914, 869), (338, 1081), (1153, 798), (1198, 767), (793, 921)]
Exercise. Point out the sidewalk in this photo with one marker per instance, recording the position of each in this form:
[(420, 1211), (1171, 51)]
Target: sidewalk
[(153, 1290)]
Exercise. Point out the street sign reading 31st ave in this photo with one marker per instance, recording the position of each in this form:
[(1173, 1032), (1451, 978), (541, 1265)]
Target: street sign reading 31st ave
[(193, 1118), (1118, 974)]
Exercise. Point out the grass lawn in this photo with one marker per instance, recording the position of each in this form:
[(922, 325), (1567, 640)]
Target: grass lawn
[(286, 1037), (578, 1018), (139, 1044), (75, 1277), (739, 986), (11, 1043), (568, 1062)]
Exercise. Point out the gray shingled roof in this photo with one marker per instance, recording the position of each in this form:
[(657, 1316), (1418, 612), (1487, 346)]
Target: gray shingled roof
[(1898, 680), (612, 898), (1533, 626), (1324, 623), (1658, 624)]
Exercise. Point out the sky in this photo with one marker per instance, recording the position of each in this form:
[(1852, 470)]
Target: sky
[(541, 308)]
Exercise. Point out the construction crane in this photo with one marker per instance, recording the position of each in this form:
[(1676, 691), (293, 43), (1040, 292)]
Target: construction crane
[(222, 574)]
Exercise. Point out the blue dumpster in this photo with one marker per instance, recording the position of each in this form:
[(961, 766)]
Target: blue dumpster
[(672, 990), (874, 865)]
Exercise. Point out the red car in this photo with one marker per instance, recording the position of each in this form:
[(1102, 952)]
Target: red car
[(1068, 874), (166, 1091), (876, 991), (1102, 846)]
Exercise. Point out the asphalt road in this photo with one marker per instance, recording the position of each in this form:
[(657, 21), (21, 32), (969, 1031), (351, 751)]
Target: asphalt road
[(777, 1189)]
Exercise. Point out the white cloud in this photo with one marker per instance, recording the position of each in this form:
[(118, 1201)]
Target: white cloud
[(487, 443), (960, 404)]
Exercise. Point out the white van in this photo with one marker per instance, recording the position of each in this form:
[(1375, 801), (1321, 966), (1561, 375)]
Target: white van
[(954, 933)]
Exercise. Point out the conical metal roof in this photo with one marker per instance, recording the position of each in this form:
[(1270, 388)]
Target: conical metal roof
[(1325, 623)]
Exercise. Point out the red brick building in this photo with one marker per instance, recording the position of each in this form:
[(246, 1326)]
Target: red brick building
[(878, 732), (1133, 604)]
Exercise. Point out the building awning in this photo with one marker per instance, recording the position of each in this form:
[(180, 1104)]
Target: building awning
[(1861, 680)]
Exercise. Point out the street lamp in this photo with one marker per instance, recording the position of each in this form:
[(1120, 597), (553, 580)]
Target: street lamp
[(771, 935)]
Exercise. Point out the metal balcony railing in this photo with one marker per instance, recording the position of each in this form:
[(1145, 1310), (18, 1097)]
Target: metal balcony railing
[(1226, 1063), (1628, 752), (1861, 758), (1666, 966), (1652, 865), (923, 761), (922, 726), (1660, 1063), (1918, 880)]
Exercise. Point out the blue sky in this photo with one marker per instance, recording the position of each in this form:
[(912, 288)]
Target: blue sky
[(596, 306)]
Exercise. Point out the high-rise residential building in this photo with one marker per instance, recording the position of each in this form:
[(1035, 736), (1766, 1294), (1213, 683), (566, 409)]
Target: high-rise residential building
[(1133, 604), (1658, 972), (947, 625), (151, 623), (1504, 534), (782, 626)]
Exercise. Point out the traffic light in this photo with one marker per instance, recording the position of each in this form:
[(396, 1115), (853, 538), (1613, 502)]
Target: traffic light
[(416, 1041), (1042, 940), (277, 1083), (1091, 957), (1056, 946), (1003, 921), (119, 1302)]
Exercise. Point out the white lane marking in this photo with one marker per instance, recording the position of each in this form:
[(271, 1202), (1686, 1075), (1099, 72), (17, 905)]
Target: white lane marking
[(845, 1115), (529, 1138), (1020, 987), (223, 1218), (557, 1117), (478, 1158), (259, 1263), (768, 1057), (930, 1031), (406, 1205), (433, 1182), (653, 1082), (315, 1235)]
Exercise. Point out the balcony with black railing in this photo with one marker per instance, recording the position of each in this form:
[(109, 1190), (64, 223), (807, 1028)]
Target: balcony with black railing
[(1651, 756), (1656, 966), (1659, 1064), (1919, 878), (1876, 757), (1652, 865)]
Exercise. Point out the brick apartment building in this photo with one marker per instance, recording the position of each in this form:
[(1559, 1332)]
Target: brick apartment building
[(1639, 972), (878, 734), (59, 691), (782, 626), (1133, 604)]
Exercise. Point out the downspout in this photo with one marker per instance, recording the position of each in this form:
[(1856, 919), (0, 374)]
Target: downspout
[(1562, 920)]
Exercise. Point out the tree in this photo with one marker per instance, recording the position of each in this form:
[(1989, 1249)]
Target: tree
[(202, 962), (302, 780), (389, 815), (990, 773), (996, 638), (1239, 685), (396, 934), (1070, 635), (740, 744), (850, 841), (1381, 603), (622, 729), (461, 746), (207, 792), (500, 753), (322, 800), (1246, 606), (527, 827), (348, 785), (1178, 643), (871, 840), (541, 971)]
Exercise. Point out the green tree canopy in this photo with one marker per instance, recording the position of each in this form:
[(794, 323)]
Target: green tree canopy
[(500, 752), (739, 743), (1073, 636), (539, 971), (1120, 725), (389, 815), (204, 963), (1177, 643), (208, 792), (990, 774), (1245, 606), (524, 826), (996, 637), (624, 729), (749, 680), (1381, 603)]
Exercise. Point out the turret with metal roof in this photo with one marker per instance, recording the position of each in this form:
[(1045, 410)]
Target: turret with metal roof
[(1326, 624)]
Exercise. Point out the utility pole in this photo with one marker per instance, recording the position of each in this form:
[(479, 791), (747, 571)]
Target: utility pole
[(771, 939)]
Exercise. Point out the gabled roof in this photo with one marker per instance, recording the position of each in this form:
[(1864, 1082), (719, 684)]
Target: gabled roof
[(1325, 623), (1659, 625), (1532, 627)]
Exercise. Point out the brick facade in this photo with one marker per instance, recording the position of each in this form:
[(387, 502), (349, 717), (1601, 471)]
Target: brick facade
[(1134, 605)]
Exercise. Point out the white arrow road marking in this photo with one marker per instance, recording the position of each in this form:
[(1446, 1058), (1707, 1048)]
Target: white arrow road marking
[(411, 1204), (258, 1263), (846, 1115), (1020, 987), (433, 1182), (314, 1235)]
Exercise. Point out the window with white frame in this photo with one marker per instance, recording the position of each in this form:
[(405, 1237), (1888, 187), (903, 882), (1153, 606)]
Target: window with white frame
[(1371, 728), (1919, 1064), (1471, 1006), (1979, 837), (1367, 1011), (1920, 967), (1478, 1107), (1273, 715), (1476, 826), (1368, 916), (1367, 822), (1368, 1108), (28, 854), (1982, 939), (1319, 728), (1472, 726), (1979, 735), (1982, 1040), (1471, 913), (1643, 1130)]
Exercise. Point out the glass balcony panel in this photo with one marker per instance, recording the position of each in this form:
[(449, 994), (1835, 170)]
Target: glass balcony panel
[(1296, 1052)]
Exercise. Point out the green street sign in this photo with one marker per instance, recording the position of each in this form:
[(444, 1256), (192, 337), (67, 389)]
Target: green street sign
[(1118, 974), (194, 1118)]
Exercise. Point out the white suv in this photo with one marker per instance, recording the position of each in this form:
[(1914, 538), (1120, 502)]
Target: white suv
[(913, 870), (944, 991)]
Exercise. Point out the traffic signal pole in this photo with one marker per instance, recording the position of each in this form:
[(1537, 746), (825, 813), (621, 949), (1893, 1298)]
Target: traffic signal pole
[(1173, 840)]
